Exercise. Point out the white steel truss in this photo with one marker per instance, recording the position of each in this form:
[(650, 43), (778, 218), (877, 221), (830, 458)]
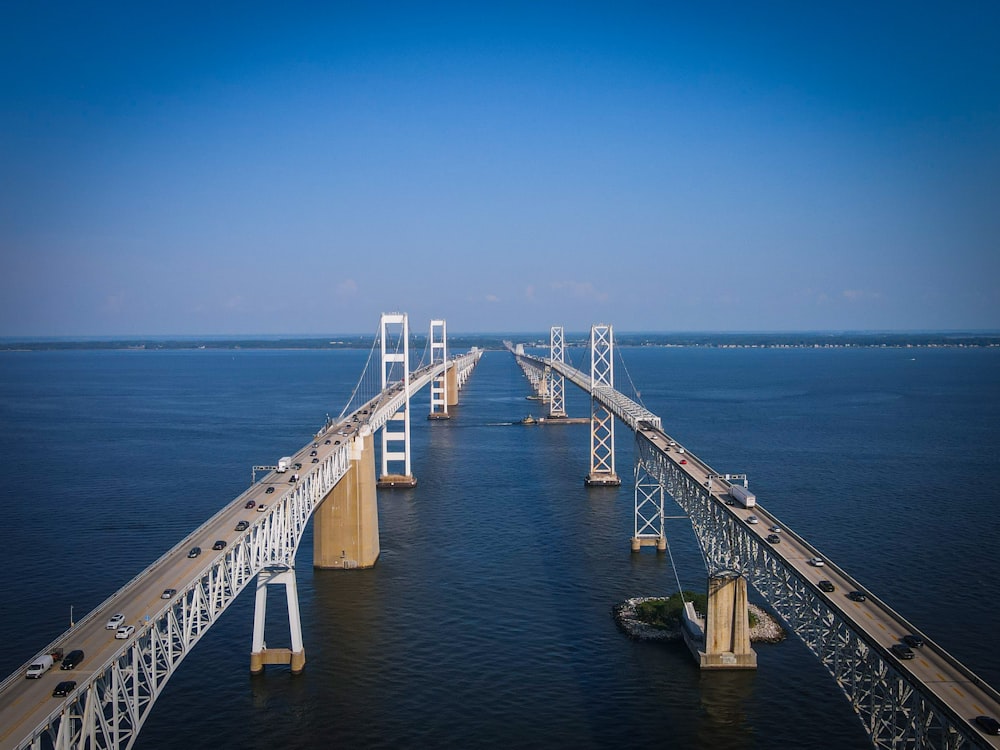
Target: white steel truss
[(602, 423), (391, 439), (896, 710), (556, 380), (438, 339), (648, 506)]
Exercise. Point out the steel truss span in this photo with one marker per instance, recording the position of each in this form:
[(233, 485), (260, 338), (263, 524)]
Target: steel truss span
[(894, 709), (109, 708)]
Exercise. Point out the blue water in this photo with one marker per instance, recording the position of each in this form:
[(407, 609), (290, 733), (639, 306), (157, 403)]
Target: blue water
[(486, 622)]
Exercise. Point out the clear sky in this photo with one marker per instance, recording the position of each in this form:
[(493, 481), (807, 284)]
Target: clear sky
[(299, 168)]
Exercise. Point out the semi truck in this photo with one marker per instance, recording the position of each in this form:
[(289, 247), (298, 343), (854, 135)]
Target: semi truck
[(743, 496), (284, 464)]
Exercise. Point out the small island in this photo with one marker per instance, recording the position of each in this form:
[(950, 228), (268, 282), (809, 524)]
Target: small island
[(652, 618)]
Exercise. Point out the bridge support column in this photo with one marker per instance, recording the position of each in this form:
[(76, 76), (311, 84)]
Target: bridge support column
[(649, 517), (391, 438), (452, 386), (727, 625), (345, 524), (557, 383), (260, 654)]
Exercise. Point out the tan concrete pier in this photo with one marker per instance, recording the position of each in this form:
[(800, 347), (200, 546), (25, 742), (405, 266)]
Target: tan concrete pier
[(345, 527)]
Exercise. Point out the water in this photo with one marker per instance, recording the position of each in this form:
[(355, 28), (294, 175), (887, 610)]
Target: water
[(486, 621)]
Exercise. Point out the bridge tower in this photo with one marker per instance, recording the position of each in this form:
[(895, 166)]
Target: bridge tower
[(260, 654), (392, 451), (557, 382), (602, 421), (439, 386)]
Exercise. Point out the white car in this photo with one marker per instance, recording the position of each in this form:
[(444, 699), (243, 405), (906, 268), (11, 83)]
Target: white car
[(816, 562), (753, 519), (261, 508), (125, 631), (115, 621), (775, 529)]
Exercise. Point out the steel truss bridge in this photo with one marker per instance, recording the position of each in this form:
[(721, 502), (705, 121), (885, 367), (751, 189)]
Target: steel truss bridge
[(107, 708), (927, 702)]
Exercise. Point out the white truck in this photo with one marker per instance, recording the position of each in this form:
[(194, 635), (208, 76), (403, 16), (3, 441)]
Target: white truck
[(284, 464), (39, 666), (743, 496)]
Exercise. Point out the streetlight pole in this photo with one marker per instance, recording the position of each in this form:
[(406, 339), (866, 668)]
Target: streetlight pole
[(71, 623)]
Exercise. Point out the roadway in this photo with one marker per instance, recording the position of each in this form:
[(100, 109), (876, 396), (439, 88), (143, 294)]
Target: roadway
[(931, 666)]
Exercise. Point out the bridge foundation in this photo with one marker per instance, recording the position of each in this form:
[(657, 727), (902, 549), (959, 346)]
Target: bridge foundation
[(260, 654), (345, 524), (722, 639)]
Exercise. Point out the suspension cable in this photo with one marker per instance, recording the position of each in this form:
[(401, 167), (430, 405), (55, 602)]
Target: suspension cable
[(361, 380)]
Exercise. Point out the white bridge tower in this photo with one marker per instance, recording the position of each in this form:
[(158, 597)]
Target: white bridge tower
[(396, 441), (602, 421)]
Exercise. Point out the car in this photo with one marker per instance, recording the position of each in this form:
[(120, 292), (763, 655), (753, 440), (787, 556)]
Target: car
[(72, 659), (195, 551), (261, 508), (168, 593), (114, 621), (683, 461), (816, 562), (857, 596), (315, 445), (988, 724), (902, 651), (244, 525), (312, 453), (269, 490), (913, 641), (826, 586), (774, 538), (315, 460), (219, 544), (753, 519), (125, 631), (250, 504), (327, 442), (64, 688), (298, 465)]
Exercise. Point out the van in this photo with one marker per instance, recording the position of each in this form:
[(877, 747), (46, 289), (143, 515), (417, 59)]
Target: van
[(73, 658), (38, 667)]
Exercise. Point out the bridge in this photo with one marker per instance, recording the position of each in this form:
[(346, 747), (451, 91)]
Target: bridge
[(181, 595), (928, 701)]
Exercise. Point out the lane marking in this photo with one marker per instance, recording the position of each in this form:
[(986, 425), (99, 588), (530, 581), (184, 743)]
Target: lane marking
[(958, 692)]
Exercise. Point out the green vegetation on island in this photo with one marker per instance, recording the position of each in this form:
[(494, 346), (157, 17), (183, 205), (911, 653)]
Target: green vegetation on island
[(665, 614)]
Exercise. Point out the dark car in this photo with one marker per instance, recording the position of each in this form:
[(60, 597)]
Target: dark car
[(243, 525), (219, 544), (774, 539), (71, 659), (913, 641), (826, 586), (64, 688), (315, 460), (312, 453), (902, 651), (269, 490), (988, 724), (250, 504), (195, 551), (857, 596), (327, 442)]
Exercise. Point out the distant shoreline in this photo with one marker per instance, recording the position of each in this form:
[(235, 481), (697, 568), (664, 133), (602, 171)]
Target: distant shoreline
[(463, 342)]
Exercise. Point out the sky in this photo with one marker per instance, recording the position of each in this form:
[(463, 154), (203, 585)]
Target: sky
[(299, 168)]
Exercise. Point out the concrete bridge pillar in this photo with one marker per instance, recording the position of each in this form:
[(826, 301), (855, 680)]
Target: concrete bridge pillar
[(452, 386), (345, 524), (727, 624)]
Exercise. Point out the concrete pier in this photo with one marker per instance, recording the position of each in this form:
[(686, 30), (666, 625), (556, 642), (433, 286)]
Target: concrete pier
[(721, 640), (345, 526)]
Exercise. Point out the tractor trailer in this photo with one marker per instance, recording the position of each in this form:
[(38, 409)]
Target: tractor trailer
[(743, 496)]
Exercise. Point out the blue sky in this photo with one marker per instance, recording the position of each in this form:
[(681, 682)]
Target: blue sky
[(240, 168)]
